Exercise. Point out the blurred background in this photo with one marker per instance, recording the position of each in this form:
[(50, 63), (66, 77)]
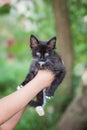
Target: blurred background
[(66, 19)]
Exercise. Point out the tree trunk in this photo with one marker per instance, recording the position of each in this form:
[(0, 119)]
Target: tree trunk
[(75, 117), (65, 48)]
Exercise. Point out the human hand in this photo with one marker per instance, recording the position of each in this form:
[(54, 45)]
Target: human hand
[(45, 77)]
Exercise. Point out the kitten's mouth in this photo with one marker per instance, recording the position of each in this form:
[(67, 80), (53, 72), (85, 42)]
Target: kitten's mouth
[(41, 63)]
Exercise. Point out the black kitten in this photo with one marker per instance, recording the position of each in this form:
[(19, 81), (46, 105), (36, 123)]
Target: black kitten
[(45, 57)]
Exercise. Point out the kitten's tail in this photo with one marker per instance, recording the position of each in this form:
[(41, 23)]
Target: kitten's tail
[(33, 103)]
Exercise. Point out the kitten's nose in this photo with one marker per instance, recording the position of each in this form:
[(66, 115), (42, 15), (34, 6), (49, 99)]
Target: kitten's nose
[(42, 59)]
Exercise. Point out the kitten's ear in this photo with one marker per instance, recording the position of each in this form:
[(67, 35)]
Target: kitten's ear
[(51, 43), (33, 41)]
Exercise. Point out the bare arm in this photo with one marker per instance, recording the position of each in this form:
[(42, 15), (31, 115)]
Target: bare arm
[(16, 101), (12, 122)]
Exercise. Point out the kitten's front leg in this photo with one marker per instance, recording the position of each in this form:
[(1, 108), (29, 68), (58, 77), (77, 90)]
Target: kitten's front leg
[(31, 74), (28, 78), (58, 79)]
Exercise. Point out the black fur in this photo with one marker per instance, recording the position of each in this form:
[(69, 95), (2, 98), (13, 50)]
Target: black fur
[(45, 57)]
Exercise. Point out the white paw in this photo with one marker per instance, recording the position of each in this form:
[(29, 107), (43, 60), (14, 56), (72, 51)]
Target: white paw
[(40, 110), (48, 97), (19, 87)]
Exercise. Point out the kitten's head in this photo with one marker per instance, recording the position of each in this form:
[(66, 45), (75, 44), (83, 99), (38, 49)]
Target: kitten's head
[(42, 50)]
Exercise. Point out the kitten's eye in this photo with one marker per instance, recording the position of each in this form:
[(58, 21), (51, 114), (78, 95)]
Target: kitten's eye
[(46, 54), (38, 54)]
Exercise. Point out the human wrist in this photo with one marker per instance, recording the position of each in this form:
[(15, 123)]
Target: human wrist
[(43, 79)]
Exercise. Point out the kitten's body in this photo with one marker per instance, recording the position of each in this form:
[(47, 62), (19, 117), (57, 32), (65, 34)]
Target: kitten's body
[(45, 57)]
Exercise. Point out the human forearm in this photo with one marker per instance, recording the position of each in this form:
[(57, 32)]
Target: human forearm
[(12, 122), (13, 103), (19, 99)]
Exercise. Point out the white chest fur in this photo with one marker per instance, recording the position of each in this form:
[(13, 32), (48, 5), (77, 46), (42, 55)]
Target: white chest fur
[(41, 63)]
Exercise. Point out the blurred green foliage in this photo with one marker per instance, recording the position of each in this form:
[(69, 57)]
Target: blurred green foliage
[(5, 9), (15, 55)]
